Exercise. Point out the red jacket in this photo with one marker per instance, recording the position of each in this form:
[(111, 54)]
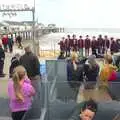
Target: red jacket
[(4, 40), (67, 43), (75, 42), (94, 44), (87, 43), (80, 43)]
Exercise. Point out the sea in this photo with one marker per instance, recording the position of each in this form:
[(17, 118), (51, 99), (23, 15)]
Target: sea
[(111, 32)]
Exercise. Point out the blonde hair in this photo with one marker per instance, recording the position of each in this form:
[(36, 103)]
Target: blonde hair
[(74, 56), (108, 58), (18, 74)]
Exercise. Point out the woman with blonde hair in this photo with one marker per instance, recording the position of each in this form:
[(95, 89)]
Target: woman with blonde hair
[(108, 72), (20, 93), (74, 71)]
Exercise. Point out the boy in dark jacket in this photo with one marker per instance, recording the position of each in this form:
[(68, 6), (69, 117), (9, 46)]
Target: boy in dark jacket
[(14, 63), (2, 58)]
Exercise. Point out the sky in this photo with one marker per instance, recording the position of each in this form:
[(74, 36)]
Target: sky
[(72, 13)]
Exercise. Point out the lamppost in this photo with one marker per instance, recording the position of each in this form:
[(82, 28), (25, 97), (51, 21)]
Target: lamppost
[(33, 13), (11, 10)]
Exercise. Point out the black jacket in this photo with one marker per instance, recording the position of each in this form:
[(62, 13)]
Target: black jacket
[(2, 54), (31, 63), (14, 63)]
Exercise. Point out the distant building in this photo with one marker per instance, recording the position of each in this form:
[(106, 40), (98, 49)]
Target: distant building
[(52, 26), (26, 26)]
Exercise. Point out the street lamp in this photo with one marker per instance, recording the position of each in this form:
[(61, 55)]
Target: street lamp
[(33, 13), (11, 10)]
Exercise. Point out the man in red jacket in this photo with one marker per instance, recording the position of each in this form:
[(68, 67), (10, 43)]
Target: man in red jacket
[(67, 46), (74, 43), (5, 42), (80, 46), (87, 46), (94, 46), (100, 44), (106, 44)]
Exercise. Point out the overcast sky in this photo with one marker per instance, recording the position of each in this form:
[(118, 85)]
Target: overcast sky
[(73, 13)]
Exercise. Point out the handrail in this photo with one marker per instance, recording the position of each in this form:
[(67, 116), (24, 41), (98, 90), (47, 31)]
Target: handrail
[(53, 85), (43, 113)]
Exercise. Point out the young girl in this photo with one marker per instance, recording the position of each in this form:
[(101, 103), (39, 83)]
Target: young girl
[(20, 93)]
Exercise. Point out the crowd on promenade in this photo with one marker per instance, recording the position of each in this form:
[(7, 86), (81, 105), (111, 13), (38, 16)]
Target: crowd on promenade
[(7, 41), (24, 82), (25, 78), (98, 45)]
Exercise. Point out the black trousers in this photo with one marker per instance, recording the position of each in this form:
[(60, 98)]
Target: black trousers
[(18, 115), (1, 66)]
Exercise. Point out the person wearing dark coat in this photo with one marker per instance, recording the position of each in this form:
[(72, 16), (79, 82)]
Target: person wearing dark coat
[(106, 44), (87, 46), (100, 44), (10, 43), (19, 41), (94, 46), (61, 56), (74, 43), (2, 59), (62, 44), (67, 46), (118, 44), (74, 71), (80, 46), (14, 63), (91, 68), (32, 65), (113, 47)]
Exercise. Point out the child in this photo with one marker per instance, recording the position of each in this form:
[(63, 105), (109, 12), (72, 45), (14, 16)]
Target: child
[(88, 110), (14, 63), (20, 93)]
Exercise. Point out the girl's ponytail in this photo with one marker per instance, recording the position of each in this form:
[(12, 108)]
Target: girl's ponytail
[(17, 86)]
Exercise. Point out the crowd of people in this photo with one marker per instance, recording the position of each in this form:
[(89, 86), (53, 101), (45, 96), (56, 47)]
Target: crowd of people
[(6, 45), (8, 42), (88, 69), (25, 78), (98, 45), (24, 82)]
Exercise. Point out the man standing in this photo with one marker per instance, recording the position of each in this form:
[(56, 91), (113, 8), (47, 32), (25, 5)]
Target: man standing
[(5, 42), (80, 46), (113, 46), (67, 46), (87, 46), (2, 58), (75, 43), (62, 45), (10, 43), (106, 44), (94, 46), (19, 40), (32, 65), (100, 44)]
